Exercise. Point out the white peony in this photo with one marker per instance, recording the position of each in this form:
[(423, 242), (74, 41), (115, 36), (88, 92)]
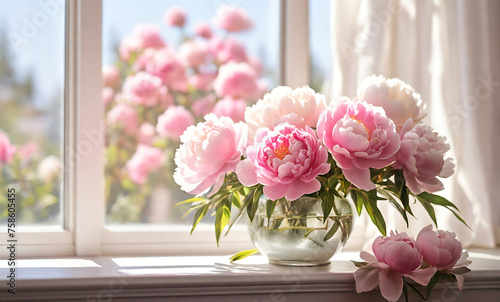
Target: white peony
[(49, 168), (300, 107), (399, 100)]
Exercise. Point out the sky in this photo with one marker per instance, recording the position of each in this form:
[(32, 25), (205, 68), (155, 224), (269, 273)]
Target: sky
[(36, 32)]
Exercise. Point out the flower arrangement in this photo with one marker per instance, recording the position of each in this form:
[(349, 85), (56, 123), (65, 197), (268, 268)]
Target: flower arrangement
[(156, 90), (293, 144), (434, 256)]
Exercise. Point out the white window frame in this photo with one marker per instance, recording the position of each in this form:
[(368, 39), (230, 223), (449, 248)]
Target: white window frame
[(85, 233)]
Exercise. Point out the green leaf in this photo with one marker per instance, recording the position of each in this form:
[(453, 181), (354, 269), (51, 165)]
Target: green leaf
[(191, 200), (243, 254), (332, 231), (359, 263), (327, 201), (434, 280), (461, 270), (373, 211), (396, 204), (270, 205), (246, 202), (358, 201), (405, 291), (430, 209), (198, 216), (437, 200), (254, 205), (236, 200), (223, 213)]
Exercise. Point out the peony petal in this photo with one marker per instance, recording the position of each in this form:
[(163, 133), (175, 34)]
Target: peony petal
[(360, 178), (366, 279), (367, 257), (299, 188), (391, 285), (246, 173), (423, 276), (276, 191), (460, 281)]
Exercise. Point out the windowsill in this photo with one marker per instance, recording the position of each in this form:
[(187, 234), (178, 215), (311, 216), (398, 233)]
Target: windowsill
[(212, 277)]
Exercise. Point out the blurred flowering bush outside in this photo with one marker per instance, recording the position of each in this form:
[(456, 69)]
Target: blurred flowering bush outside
[(155, 91)]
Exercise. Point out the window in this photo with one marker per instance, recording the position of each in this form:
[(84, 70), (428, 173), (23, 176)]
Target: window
[(94, 220)]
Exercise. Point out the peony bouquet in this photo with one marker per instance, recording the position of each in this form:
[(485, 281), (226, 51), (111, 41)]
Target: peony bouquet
[(400, 262), (371, 148)]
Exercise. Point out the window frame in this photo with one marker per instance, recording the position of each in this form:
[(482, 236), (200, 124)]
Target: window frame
[(85, 233)]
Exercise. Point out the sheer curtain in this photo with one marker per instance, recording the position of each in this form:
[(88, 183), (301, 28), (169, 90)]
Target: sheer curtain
[(449, 51)]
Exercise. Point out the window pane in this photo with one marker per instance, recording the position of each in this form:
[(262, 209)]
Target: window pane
[(31, 109), (320, 45), (159, 73)]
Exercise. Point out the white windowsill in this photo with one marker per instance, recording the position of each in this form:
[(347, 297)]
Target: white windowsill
[(213, 278)]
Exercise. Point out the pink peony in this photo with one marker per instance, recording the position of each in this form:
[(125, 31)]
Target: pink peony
[(175, 16), (147, 132), (396, 256), (148, 36), (235, 109), (194, 53), (174, 121), (123, 116), (440, 249), (232, 19), (6, 149), (300, 107), (142, 89), (421, 157), (111, 76), (398, 251), (203, 30), (108, 96), (204, 105), (207, 151), (202, 81), (166, 99), (229, 50), (359, 136), (145, 160), (286, 161), (164, 64), (236, 80), (399, 100)]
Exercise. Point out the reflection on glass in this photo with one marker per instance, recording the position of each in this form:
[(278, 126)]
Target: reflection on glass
[(166, 65), (31, 106), (320, 45)]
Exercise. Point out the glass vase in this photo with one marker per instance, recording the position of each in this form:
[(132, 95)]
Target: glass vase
[(296, 233)]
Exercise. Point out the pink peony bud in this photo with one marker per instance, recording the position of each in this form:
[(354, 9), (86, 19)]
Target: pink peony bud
[(204, 105), (147, 132), (440, 249), (148, 36), (175, 16), (399, 251), (203, 30), (232, 19)]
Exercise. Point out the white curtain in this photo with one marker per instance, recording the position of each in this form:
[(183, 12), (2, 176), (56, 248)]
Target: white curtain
[(449, 51)]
